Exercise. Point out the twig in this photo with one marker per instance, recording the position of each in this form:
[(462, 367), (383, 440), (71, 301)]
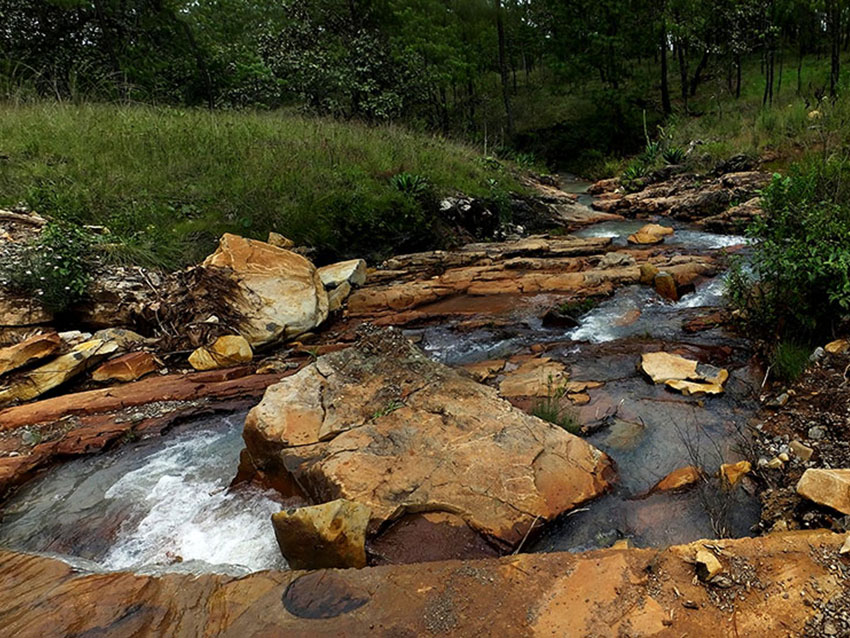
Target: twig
[(528, 531), (32, 220)]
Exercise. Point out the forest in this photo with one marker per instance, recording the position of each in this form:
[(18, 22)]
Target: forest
[(528, 75)]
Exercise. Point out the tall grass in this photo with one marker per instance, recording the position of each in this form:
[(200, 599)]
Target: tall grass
[(168, 182)]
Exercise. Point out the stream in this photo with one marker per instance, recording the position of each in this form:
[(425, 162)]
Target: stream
[(163, 504)]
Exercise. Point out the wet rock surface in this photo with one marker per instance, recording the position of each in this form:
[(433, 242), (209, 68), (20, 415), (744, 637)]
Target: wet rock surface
[(795, 581), (382, 425)]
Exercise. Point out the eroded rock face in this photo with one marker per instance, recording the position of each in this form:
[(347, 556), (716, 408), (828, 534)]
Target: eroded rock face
[(327, 535), (382, 425), (282, 294)]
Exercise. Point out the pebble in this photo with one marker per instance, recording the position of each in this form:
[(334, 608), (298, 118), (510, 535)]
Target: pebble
[(801, 451), (817, 432)]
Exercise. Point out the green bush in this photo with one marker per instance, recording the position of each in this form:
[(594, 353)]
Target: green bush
[(56, 268), (799, 286)]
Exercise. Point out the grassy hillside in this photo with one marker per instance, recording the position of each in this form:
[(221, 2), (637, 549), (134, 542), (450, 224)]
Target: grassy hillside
[(168, 182)]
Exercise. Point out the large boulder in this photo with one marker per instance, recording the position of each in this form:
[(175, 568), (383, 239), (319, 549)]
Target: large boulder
[(327, 535), (382, 425), (281, 293)]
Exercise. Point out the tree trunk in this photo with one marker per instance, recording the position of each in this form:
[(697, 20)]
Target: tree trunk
[(738, 76), (503, 69), (703, 61), (683, 73), (834, 17), (665, 87)]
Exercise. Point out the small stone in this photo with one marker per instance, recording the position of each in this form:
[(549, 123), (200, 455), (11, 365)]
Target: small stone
[(678, 479), (647, 273), (775, 463), (839, 346), (732, 473), (780, 401), (817, 432), (801, 451), (338, 295), (783, 456), (707, 565), (665, 286), (845, 548), (623, 543), (276, 239), (227, 351), (352, 272)]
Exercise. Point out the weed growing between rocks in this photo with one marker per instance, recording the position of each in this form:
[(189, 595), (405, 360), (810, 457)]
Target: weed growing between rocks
[(550, 409)]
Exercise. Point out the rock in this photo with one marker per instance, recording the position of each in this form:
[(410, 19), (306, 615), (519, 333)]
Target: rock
[(127, 367), (707, 565), (616, 260), (485, 370), (382, 425), (816, 432), (56, 372), (540, 377), (352, 271), (650, 234), (279, 241), (623, 543), (282, 294), (801, 451), (684, 375), (827, 487), (665, 286), (27, 351), (678, 479), (126, 339), (323, 536), (732, 473), (779, 401), (845, 548), (647, 273), (608, 593), (338, 295), (775, 463), (226, 351), (839, 346)]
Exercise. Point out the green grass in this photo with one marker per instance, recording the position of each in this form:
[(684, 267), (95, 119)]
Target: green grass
[(169, 182), (789, 360)]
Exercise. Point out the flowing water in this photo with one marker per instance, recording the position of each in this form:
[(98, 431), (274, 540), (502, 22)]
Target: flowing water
[(164, 504), (161, 504)]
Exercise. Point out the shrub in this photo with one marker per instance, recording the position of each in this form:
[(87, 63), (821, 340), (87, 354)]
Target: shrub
[(800, 281), (415, 186), (55, 268)]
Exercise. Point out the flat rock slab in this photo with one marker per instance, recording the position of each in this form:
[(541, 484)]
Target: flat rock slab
[(774, 584), (383, 425)]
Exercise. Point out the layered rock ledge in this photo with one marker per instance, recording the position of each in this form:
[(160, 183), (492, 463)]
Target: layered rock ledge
[(780, 585)]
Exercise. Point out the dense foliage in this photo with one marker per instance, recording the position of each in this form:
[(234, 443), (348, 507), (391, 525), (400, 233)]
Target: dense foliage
[(571, 78), (799, 286)]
